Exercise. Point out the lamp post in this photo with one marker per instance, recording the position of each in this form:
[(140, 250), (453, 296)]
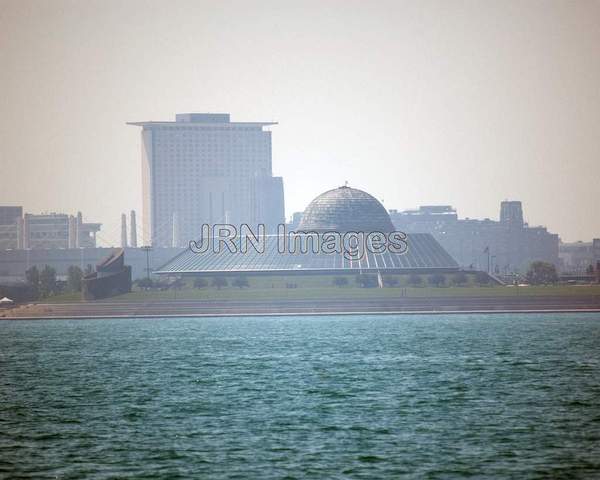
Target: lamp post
[(147, 249)]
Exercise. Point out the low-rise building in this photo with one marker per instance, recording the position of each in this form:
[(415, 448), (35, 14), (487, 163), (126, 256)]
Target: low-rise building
[(44, 231), (505, 246), (577, 257)]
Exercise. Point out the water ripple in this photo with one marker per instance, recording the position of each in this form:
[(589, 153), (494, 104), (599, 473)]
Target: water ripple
[(496, 396)]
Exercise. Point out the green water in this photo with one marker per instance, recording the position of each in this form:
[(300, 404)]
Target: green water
[(496, 396)]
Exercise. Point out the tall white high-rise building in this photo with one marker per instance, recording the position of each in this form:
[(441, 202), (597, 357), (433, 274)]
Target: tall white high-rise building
[(203, 168)]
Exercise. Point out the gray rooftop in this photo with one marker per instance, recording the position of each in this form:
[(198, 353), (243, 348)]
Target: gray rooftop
[(199, 120)]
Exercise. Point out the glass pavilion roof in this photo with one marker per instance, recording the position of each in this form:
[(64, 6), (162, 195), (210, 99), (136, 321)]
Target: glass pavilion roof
[(424, 254)]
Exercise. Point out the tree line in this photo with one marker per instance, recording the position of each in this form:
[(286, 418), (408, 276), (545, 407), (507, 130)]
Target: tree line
[(44, 283), (370, 280)]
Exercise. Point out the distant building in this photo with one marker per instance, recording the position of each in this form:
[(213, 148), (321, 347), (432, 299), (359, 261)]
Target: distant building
[(204, 169), (44, 231), (508, 245), (9, 215), (511, 213), (295, 221), (11, 225), (56, 230), (596, 250), (577, 257), (270, 204)]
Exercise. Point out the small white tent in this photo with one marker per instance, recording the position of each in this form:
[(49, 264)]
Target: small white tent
[(5, 302)]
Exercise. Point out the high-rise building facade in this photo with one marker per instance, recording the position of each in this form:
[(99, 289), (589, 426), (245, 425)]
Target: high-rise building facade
[(204, 169)]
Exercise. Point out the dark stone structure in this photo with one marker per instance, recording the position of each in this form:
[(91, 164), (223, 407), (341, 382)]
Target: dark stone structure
[(112, 277)]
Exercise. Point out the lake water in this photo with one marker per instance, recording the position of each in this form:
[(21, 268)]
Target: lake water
[(494, 396)]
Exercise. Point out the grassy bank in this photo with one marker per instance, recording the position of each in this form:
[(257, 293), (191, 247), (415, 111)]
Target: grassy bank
[(262, 292)]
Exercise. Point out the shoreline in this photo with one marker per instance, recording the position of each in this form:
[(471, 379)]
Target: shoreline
[(305, 307), (300, 314)]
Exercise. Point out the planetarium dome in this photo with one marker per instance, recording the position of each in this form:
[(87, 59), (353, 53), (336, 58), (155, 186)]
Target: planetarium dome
[(345, 209)]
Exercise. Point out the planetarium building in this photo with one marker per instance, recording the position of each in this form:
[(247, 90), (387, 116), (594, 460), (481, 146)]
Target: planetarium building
[(345, 209), (342, 211)]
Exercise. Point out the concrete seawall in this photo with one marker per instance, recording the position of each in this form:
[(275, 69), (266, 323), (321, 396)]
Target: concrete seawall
[(176, 308)]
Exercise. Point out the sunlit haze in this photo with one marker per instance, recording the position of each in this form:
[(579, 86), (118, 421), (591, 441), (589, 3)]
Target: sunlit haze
[(418, 103)]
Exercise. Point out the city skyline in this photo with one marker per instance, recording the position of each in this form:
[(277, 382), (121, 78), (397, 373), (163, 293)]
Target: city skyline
[(459, 104)]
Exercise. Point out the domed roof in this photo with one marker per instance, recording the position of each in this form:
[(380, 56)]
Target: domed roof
[(345, 209)]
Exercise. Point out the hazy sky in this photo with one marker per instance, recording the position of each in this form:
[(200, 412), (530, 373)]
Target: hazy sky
[(446, 102)]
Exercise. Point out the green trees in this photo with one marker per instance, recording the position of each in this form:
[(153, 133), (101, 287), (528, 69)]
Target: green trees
[(47, 281), (145, 283), (74, 276), (240, 282), (33, 278), (340, 281), (460, 279), (541, 273), (415, 280), (366, 280), (482, 278), (589, 270), (45, 284), (219, 282), (436, 280), (177, 284), (200, 283)]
